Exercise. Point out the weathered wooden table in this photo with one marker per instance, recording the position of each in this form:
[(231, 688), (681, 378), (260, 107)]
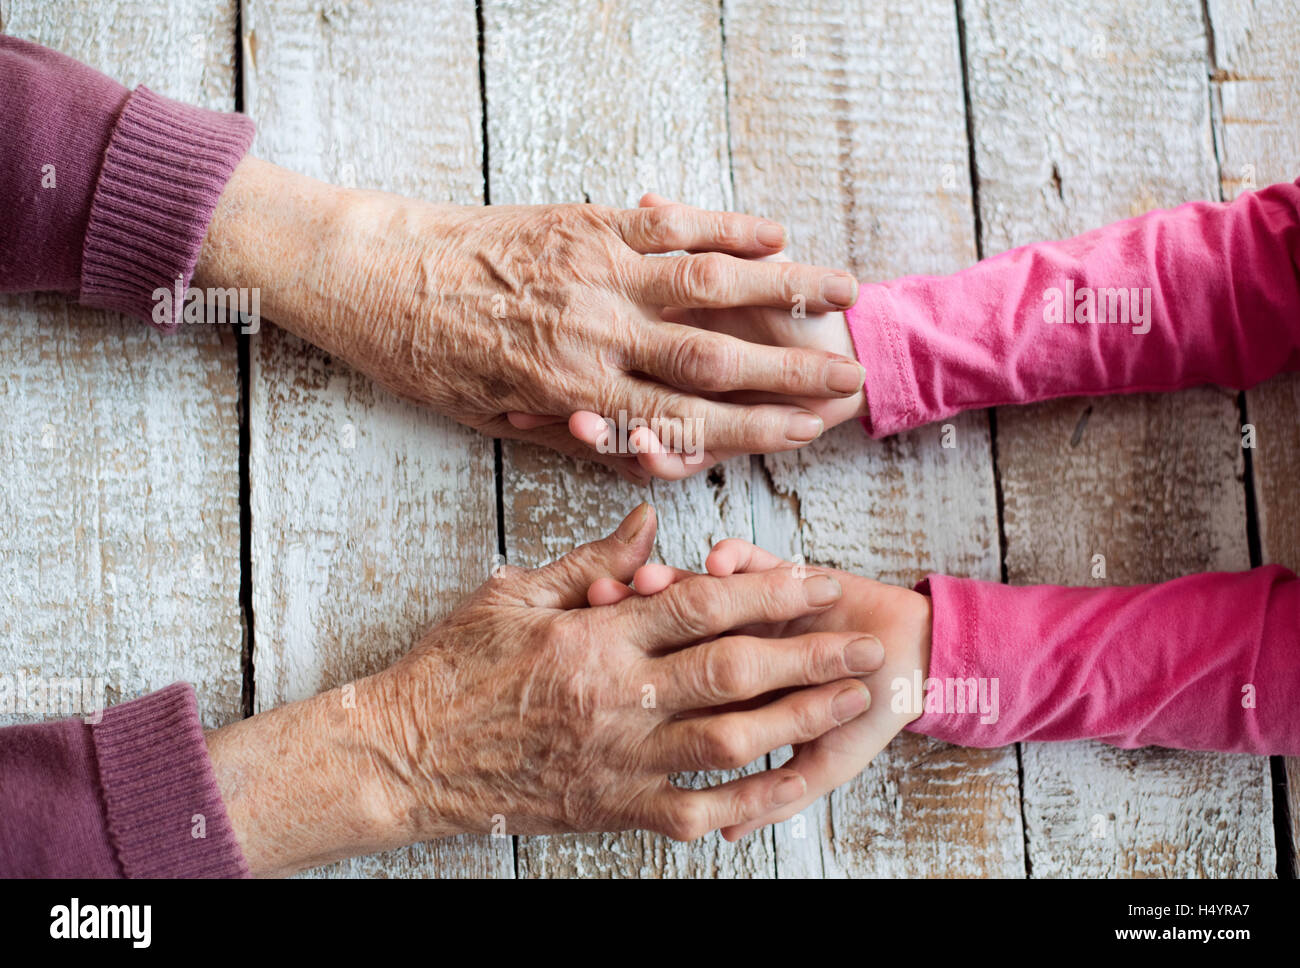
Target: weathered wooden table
[(249, 515)]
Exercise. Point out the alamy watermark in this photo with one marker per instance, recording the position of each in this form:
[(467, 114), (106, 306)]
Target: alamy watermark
[(128, 922), (209, 306), (1122, 306), (35, 695), (946, 695), (673, 435)]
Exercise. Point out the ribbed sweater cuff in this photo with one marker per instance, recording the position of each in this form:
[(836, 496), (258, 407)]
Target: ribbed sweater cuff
[(165, 168), (877, 339), (160, 792)]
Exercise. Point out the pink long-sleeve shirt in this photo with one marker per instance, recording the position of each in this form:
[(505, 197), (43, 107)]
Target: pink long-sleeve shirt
[(1178, 664), (1203, 293)]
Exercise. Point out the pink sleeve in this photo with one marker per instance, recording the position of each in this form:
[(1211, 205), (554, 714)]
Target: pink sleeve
[(132, 795), (1203, 293), (1209, 662), (106, 193)]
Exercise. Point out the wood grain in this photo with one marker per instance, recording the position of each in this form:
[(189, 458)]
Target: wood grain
[(1084, 114), (371, 517), (1255, 76), (597, 101), (860, 111), (119, 448)]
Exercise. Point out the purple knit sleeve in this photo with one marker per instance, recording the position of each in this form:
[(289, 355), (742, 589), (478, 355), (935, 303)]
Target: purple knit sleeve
[(107, 193), (133, 795)]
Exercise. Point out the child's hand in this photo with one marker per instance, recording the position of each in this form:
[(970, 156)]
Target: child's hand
[(898, 617)]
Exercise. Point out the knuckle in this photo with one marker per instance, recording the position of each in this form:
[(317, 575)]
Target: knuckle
[(824, 660), (556, 635), (721, 363), (669, 403), (808, 720), (691, 359), (666, 226), (605, 215), (688, 609), (706, 363), (731, 232), (788, 284), (726, 746), (703, 275), (725, 674), (772, 593), (769, 432), (686, 820), (795, 371)]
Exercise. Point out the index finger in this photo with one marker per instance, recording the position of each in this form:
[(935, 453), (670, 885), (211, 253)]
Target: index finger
[(699, 359), (712, 280), (670, 226), (704, 606)]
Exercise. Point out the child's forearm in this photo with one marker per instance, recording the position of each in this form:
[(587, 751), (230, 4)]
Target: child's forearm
[(1203, 293), (1208, 662)]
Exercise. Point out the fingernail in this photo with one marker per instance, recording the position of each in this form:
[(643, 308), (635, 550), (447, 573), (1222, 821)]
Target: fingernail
[(864, 654), (844, 376), (852, 701), (803, 427), (788, 790), (821, 590), (633, 523), (770, 234), (839, 289)]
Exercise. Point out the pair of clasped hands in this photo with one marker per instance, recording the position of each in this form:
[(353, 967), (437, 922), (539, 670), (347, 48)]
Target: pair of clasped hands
[(564, 698)]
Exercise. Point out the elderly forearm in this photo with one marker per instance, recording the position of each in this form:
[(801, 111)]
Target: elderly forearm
[(275, 231), (307, 783)]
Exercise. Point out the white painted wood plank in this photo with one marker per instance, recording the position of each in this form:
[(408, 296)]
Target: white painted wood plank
[(119, 448), (1084, 114), (1257, 83), (848, 124), (603, 101), (371, 517)]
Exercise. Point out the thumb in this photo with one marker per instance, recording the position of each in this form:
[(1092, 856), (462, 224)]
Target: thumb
[(617, 556)]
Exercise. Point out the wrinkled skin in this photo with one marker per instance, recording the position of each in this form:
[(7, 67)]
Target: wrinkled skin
[(774, 327), (899, 618), (526, 706), (529, 711), (480, 311)]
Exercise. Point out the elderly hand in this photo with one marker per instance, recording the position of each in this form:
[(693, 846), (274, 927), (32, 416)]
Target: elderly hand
[(549, 309), (526, 711), (898, 618), (767, 326)]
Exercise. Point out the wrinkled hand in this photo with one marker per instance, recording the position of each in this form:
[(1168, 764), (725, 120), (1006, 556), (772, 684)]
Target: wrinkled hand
[(767, 326), (527, 711), (527, 706), (898, 618), (548, 309)]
